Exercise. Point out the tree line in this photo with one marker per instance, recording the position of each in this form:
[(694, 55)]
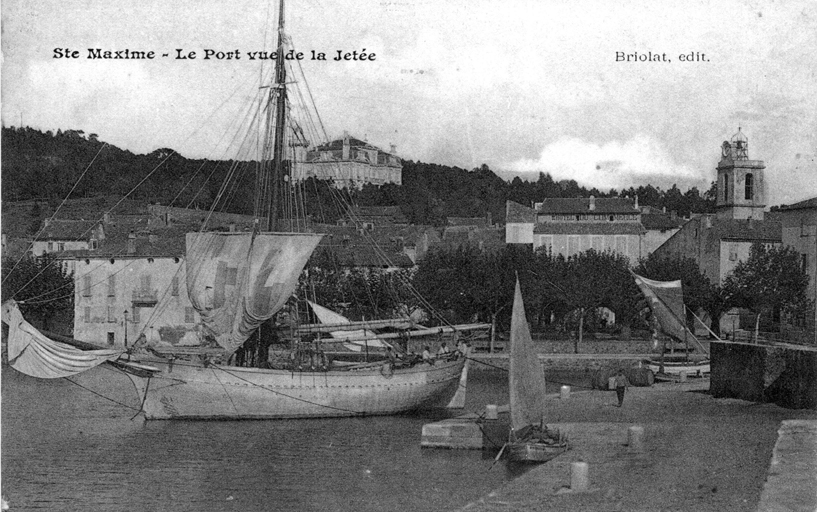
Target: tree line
[(47, 165), (466, 284)]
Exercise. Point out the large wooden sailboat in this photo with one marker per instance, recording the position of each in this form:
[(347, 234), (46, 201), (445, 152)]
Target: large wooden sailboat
[(236, 281), (530, 440)]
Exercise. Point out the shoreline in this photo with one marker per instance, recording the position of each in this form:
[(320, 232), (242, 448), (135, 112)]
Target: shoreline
[(700, 453)]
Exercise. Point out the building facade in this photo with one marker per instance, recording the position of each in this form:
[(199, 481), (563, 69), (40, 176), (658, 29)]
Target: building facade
[(348, 162), (570, 226)]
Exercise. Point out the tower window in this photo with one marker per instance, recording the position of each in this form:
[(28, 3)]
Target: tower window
[(750, 186), (725, 188)]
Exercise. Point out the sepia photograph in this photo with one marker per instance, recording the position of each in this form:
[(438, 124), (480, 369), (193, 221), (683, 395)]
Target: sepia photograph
[(410, 255)]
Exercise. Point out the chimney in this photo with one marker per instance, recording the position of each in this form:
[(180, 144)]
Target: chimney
[(232, 227), (346, 145), (131, 242), (636, 201), (592, 203), (393, 149)]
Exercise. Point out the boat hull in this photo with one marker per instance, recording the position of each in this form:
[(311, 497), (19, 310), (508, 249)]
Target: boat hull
[(691, 368), (190, 391), (534, 452)]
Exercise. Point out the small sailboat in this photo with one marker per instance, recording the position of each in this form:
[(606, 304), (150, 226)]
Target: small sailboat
[(529, 440), (666, 301)]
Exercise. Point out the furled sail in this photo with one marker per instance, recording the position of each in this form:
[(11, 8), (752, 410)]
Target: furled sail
[(33, 353), (526, 378), (237, 281), (327, 316)]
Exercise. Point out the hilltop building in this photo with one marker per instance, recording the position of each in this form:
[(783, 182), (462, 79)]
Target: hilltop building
[(348, 162)]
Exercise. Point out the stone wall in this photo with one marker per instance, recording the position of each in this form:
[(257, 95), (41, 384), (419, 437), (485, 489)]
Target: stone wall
[(786, 376)]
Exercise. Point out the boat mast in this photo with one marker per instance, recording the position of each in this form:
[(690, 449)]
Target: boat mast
[(280, 91)]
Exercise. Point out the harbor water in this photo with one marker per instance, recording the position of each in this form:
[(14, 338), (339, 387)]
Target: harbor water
[(65, 448)]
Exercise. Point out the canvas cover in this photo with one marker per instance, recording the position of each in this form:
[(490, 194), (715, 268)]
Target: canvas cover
[(526, 378), (327, 316), (33, 353), (237, 281)]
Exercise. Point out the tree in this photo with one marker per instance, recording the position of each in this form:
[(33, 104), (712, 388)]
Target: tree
[(771, 280), (42, 286)]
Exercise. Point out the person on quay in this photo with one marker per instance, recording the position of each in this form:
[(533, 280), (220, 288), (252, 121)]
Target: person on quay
[(621, 385)]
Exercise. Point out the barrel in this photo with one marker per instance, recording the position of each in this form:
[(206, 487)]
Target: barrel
[(642, 377), (601, 379)]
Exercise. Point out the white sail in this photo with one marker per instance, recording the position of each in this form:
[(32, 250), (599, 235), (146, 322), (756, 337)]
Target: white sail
[(237, 281), (36, 355), (526, 378), (327, 316)]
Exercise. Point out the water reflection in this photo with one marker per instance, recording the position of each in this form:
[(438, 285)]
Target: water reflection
[(64, 448)]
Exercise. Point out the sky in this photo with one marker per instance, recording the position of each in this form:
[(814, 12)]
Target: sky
[(523, 86)]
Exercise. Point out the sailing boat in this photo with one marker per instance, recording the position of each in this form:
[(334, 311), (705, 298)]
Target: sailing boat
[(666, 301), (530, 440), (236, 281)]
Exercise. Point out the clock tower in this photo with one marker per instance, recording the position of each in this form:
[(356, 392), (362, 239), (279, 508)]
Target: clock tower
[(740, 181)]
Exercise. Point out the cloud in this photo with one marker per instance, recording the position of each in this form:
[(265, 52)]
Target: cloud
[(610, 165)]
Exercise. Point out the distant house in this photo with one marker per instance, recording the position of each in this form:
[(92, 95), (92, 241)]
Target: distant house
[(570, 226), (348, 162), (68, 235)]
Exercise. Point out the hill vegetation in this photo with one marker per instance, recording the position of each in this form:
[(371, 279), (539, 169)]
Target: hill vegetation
[(47, 165)]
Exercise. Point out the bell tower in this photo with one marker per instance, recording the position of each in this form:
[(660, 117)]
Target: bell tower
[(740, 181)]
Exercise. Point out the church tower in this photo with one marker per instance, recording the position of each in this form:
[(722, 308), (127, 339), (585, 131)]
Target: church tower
[(740, 181)]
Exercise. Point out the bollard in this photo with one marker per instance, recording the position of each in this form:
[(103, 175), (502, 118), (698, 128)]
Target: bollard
[(564, 392), (635, 438), (491, 412), (683, 376), (579, 477)]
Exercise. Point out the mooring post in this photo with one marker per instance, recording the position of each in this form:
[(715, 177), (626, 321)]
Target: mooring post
[(564, 392), (579, 476), (635, 438)]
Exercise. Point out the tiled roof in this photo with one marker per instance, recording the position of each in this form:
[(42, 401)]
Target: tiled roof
[(661, 221), (589, 228), (154, 242), (517, 213), (68, 230), (468, 221), (582, 205), (739, 229), (808, 203)]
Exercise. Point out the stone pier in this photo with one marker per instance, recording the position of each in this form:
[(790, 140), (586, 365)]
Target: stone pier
[(782, 374)]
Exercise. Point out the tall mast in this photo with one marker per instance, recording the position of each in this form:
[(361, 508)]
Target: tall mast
[(280, 124)]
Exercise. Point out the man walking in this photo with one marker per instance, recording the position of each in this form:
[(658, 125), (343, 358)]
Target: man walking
[(621, 385)]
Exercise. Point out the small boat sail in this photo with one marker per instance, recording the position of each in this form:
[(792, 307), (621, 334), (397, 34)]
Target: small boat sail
[(666, 301), (530, 440)]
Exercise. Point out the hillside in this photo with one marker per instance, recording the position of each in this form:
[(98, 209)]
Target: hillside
[(45, 166)]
